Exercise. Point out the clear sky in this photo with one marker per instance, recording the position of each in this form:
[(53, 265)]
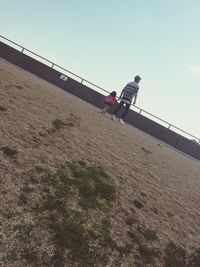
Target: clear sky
[(108, 42)]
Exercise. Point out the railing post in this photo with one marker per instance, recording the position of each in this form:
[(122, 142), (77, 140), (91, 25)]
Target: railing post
[(169, 126), (82, 80), (140, 111), (52, 65), (22, 49)]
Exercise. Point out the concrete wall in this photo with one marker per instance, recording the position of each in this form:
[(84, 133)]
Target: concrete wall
[(80, 90)]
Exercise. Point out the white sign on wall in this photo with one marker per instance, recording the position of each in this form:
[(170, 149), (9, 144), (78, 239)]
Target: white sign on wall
[(63, 77)]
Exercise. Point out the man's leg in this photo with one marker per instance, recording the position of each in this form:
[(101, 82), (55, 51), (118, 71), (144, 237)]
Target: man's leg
[(126, 110), (118, 107)]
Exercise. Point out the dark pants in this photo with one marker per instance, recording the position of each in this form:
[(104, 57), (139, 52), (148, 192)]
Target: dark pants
[(120, 106)]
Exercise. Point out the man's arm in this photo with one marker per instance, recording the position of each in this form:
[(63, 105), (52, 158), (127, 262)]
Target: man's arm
[(135, 98), (121, 94)]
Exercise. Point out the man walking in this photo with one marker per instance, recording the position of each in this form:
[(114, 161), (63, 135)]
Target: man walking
[(129, 92)]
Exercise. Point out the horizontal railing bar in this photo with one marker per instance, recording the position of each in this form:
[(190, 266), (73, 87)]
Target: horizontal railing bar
[(142, 110), (38, 56), (96, 86), (171, 125), (11, 41), (185, 132)]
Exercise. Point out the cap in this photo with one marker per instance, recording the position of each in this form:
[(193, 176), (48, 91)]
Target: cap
[(137, 77)]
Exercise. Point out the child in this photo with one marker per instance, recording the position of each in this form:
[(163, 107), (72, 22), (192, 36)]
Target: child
[(109, 101)]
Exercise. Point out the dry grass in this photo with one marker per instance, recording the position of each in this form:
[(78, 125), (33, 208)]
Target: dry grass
[(154, 219)]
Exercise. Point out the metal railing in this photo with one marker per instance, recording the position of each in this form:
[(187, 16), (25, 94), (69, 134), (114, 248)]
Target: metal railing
[(83, 81)]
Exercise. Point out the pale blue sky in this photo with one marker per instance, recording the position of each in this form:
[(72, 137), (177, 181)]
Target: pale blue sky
[(108, 42)]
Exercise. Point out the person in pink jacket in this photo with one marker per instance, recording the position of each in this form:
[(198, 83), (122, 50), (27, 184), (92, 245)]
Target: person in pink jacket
[(109, 101)]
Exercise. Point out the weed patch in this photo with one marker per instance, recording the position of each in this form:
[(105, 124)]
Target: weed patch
[(138, 204), (19, 86), (146, 150), (174, 256), (142, 240), (70, 195), (96, 188), (10, 152), (195, 258), (58, 124), (150, 235), (3, 108), (148, 254)]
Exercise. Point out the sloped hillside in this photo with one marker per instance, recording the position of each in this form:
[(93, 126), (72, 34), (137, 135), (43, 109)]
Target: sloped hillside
[(78, 189)]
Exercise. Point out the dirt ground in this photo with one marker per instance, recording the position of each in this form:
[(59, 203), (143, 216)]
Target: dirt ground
[(164, 182)]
